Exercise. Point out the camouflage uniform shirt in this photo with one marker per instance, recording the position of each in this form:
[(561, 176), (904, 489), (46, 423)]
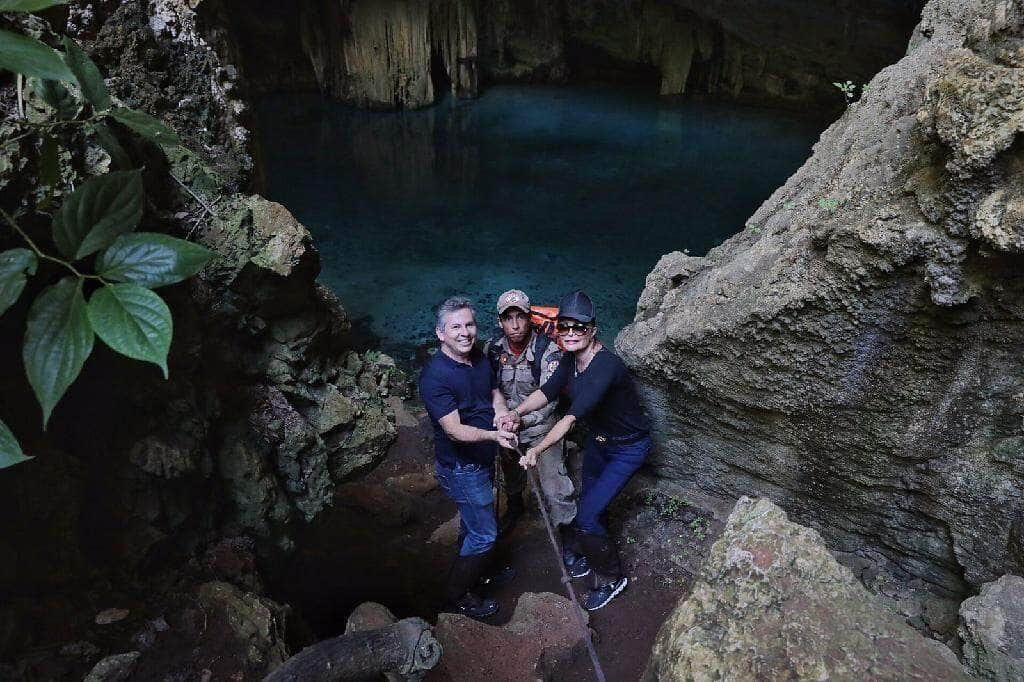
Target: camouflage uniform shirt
[(515, 379)]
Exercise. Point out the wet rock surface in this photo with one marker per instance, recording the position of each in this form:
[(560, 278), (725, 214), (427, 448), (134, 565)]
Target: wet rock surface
[(855, 354), (992, 630), (770, 602)]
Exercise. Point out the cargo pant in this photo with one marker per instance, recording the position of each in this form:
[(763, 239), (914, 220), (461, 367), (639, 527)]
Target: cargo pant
[(555, 485)]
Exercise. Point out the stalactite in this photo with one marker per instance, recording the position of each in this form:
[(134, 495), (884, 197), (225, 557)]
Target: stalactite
[(379, 53)]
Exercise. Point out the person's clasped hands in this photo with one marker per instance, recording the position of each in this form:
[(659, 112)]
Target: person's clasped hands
[(506, 434), (510, 421)]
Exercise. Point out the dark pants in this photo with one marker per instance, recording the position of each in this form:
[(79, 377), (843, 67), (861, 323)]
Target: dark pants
[(607, 468), (470, 486)]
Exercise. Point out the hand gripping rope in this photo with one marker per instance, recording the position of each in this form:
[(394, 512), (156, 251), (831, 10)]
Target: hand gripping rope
[(566, 580)]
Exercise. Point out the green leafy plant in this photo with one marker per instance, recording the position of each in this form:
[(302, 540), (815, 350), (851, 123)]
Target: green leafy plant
[(700, 526), (97, 221), (849, 90), (828, 205)]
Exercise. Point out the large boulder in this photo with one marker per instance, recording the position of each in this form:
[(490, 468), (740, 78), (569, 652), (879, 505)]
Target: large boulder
[(542, 634), (992, 630), (771, 603), (857, 354)]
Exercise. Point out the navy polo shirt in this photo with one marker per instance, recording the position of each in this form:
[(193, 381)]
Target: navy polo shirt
[(447, 385)]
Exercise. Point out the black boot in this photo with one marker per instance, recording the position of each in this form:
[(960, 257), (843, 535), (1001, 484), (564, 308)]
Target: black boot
[(575, 563), (608, 578), (459, 595), (516, 509)]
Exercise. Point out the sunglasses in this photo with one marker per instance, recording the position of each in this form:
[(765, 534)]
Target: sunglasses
[(572, 328)]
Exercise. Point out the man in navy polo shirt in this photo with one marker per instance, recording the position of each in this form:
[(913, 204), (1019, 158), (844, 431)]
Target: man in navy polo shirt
[(463, 400)]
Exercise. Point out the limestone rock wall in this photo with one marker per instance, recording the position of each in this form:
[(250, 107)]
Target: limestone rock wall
[(770, 602), (857, 353)]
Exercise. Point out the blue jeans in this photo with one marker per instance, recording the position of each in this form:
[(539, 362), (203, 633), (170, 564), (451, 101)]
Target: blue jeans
[(470, 486), (607, 467)]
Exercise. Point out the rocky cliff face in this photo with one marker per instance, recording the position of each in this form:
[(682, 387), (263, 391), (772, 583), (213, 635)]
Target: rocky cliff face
[(404, 53), (857, 354)]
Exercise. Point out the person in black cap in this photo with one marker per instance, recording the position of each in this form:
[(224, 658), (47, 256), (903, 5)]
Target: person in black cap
[(602, 393)]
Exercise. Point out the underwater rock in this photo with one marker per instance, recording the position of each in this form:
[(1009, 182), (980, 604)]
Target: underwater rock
[(992, 630), (771, 603), (857, 353)]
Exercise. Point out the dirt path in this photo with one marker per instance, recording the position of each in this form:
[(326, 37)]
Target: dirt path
[(392, 538)]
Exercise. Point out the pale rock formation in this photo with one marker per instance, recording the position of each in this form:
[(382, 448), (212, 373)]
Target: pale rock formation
[(857, 354), (380, 53), (992, 630), (771, 603)]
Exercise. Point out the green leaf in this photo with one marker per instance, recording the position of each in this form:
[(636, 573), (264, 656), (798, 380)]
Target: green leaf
[(151, 260), (57, 96), (133, 321), (49, 163), (15, 267), (101, 209), (150, 128), (10, 449), (88, 75), (28, 5), (58, 340), (108, 140), (30, 57)]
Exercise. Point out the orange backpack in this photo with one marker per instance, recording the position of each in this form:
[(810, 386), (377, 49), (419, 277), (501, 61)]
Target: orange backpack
[(543, 319)]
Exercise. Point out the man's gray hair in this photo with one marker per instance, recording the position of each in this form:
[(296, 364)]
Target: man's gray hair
[(451, 305)]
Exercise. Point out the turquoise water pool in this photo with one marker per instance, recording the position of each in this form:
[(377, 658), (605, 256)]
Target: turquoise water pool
[(541, 188)]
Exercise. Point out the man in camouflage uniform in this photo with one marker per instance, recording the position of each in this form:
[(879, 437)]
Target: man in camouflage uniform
[(523, 360)]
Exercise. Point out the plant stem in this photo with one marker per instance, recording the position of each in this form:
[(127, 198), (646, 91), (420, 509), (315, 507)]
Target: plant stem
[(43, 256)]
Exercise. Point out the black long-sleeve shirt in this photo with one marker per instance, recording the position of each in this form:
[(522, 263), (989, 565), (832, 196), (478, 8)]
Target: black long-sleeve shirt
[(603, 395)]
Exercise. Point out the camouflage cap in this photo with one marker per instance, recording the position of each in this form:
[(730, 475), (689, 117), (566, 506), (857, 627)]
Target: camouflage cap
[(513, 298)]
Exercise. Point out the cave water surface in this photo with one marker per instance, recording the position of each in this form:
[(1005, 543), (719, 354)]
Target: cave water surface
[(541, 188)]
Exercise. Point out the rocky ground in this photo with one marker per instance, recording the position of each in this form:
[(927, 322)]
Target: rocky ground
[(392, 539)]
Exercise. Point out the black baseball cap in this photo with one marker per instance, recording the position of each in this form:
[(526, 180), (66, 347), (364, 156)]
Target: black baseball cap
[(577, 306)]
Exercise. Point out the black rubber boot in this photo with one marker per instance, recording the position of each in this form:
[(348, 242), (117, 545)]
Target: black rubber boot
[(498, 569), (515, 511), (575, 563), (603, 556), (463, 577)]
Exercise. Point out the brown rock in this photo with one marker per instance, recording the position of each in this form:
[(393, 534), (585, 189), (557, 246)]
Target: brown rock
[(542, 633), (447, 533), (368, 616), (389, 506)]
